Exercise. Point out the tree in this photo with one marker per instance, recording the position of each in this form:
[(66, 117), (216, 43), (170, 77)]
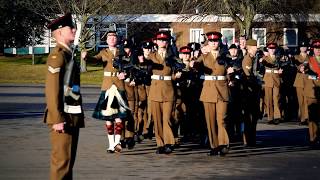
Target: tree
[(17, 25), (243, 12)]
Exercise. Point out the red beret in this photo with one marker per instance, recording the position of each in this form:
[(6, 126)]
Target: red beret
[(316, 43), (165, 35), (272, 45), (60, 22), (214, 35), (185, 50)]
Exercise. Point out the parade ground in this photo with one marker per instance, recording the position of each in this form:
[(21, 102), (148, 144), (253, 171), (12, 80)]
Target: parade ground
[(282, 150)]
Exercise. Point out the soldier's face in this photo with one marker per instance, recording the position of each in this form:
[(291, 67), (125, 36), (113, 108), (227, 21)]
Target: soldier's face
[(316, 51), (303, 49), (162, 43), (213, 44), (233, 52), (68, 33), (112, 40), (146, 52), (271, 51), (185, 57), (252, 49)]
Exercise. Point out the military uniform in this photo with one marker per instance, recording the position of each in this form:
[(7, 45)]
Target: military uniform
[(235, 105), (272, 82), (161, 97), (112, 105), (215, 96), (61, 108), (312, 96), (299, 84), (251, 94)]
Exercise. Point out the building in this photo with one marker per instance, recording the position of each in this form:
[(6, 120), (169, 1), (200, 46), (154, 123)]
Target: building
[(285, 30)]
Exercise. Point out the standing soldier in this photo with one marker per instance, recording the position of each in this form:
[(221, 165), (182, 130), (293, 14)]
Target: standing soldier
[(112, 104), (214, 93), (251, 94), (272, 82), (301, 62), (64, 114), (312, 94), (161, 92)]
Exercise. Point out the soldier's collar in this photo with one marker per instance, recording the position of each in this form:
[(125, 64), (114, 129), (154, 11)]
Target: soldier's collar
[(65, 46)]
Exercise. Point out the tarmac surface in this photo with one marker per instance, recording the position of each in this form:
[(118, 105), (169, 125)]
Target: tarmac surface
[(282, 151)]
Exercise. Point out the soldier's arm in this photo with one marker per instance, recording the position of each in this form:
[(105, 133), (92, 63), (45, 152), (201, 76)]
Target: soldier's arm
[(93, 59), (53, 98), (246, 66)]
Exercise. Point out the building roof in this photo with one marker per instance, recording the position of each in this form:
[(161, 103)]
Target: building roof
[(169, 18)]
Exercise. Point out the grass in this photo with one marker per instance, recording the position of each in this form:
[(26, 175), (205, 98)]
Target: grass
[(20, 70)]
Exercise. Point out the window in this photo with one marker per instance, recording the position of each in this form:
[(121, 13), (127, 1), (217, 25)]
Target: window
[(290, 37), (259, 34), (228, 36), (196, 35)]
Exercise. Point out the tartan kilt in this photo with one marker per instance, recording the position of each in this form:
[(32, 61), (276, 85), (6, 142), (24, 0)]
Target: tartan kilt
[(97, 111)]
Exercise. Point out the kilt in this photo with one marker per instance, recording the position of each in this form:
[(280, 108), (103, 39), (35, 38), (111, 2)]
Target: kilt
[(97, 113)]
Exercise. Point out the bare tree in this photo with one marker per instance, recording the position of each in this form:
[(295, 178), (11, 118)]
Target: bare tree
[(244, 12)]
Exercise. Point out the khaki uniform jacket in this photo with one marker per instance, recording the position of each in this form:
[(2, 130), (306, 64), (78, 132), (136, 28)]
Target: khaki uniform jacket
[(310, 85), (106, 56), (300, 77), (160, 90), (271, 79), (247, 65), (213, 90), (54, 92)]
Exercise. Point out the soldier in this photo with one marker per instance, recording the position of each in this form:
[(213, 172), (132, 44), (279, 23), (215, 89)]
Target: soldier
[(144, 65), (161, 92), (234, 118), (301, 61), (64, 113), (184, 111), (312, 94), (272, 82), (147, 48), (251, 94), (131, 93), (214, 93), (112, 104)]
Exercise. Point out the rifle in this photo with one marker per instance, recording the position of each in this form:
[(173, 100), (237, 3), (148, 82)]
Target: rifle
[(69, 87)]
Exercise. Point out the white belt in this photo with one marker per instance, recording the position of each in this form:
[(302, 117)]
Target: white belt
[(272, 71), (109, 74), (127, 80), (72, 109), (160, 77), (313, 77), (213, 78)]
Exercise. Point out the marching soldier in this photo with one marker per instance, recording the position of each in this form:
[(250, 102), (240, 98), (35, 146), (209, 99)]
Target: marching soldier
[(161, 93), (301, 62), (143, 64), (112, 104), (64, 114), (312, 94), (131, 93), (234, 118), (272, 82), (147, 48), (214, 93), (251, 94)]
